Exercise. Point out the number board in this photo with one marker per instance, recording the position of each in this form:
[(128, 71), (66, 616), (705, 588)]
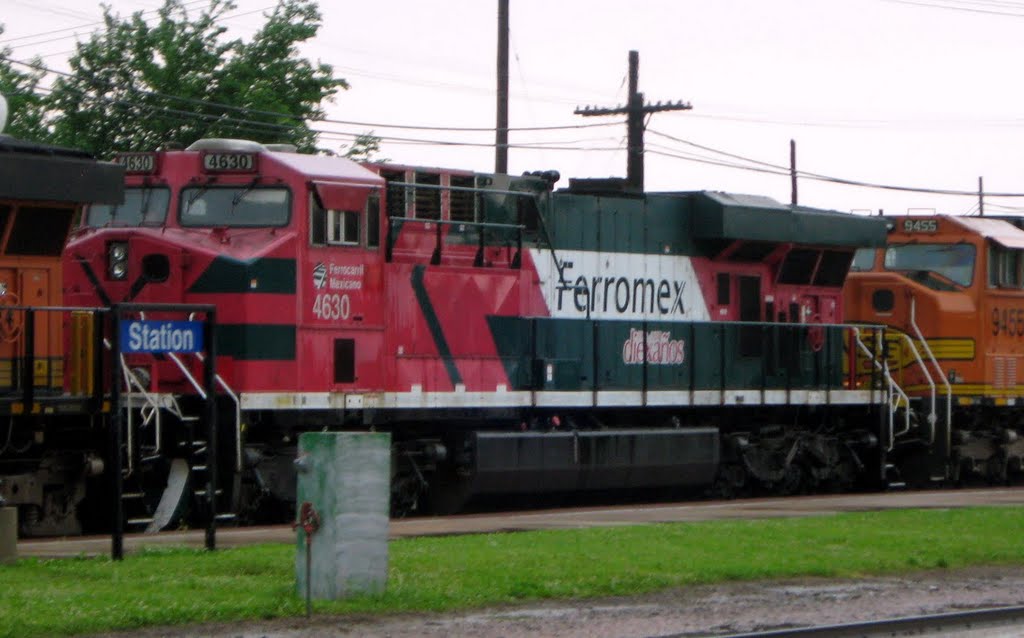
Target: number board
[(229, 162), (137, 162), (920, 226)]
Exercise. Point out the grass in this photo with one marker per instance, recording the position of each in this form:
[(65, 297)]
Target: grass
[(165, 587)]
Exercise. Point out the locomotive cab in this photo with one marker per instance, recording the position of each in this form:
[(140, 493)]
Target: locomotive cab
[(953, 290)]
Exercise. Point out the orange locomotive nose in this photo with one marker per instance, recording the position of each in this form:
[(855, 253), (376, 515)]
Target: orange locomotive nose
[(952, 290)]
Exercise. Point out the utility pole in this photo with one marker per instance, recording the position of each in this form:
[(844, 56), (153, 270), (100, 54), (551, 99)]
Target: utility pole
[(792, 171), (501, 128), (634, 110)]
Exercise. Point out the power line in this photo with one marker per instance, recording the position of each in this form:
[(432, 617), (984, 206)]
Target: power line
[(571, 145), (250, 111), (775, 169), (77, 28), (949, 7)]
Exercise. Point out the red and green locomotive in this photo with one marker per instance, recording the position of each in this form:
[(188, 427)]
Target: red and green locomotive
[(513, 338)]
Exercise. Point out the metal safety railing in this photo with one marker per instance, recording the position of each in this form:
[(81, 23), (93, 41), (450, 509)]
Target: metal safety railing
[(939, 371), (518, 228), (896, 394)]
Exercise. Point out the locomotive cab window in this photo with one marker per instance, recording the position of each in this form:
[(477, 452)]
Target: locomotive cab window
[(146, 206), (39, 230), (863, 260), (343, 227), (234, 207), (1005, 266), (933, 265)]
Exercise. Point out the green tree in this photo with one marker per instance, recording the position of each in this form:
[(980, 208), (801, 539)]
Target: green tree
[(20, 85), (363, 148), (135, 86)]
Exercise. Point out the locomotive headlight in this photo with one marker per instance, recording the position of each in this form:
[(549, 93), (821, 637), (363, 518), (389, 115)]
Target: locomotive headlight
[(117, 260)]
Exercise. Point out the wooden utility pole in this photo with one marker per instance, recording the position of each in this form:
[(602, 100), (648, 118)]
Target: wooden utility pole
[(634, 110), (792, 171), (501, 127)]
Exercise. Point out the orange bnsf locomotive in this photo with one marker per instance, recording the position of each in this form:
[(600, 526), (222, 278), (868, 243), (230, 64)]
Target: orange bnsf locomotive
[(52, 439), (951, 292), (512, 338)]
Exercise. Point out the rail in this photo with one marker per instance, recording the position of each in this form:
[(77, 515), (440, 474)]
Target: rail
[(945, 624)]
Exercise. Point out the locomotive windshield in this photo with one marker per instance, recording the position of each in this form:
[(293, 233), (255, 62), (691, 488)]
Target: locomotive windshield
[(863, 260), (141, 207), (240, 206), (953, 262)]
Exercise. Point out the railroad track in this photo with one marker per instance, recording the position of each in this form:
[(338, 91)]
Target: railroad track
[(954, 623)]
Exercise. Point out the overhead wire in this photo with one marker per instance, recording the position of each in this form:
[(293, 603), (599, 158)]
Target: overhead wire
[(779, 169), (749, 164), (251, 111), (75, 29), (950, 7)]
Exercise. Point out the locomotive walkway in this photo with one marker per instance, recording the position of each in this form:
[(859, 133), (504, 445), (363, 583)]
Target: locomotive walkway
[(556, 519)]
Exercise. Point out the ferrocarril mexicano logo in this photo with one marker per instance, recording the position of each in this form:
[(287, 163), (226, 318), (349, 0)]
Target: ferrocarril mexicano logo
[(621, 286)]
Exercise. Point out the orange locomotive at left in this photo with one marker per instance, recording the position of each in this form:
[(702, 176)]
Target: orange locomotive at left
[(951, 290), (50, 434)]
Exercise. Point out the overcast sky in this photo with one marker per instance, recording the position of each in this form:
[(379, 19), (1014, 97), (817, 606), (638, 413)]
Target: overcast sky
[(920, 93)]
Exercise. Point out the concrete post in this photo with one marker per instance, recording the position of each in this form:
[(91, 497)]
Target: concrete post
[(346, 476), (8, 534)]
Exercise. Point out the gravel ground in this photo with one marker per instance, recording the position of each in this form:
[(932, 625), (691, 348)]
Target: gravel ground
[(704, 610)]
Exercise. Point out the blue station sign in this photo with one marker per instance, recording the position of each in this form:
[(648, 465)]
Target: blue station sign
[(161, 336)]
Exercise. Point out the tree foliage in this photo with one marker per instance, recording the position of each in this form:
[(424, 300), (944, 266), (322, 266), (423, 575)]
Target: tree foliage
[(363, 148), (19, 85), (139, 86)]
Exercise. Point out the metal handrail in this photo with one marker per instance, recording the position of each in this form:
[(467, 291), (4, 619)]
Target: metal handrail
[(238, 413), (932, 418), (484, 191), (894, 389), (188, 375), (238, 407), (938, 368), (131, 381)]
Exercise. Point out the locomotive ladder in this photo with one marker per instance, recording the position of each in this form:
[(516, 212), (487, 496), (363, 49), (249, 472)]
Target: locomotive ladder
[(149, 417), (199, 449)]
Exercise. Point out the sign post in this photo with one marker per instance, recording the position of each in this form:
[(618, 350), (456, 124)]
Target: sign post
[(149, 336)]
